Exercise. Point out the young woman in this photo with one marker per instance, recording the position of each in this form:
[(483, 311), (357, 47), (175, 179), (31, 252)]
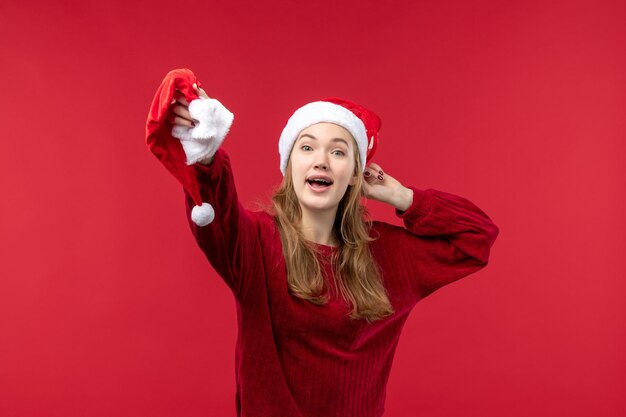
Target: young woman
[(322, 293)]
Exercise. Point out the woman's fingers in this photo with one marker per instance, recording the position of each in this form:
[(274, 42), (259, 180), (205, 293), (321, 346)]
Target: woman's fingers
[(179, 108), (377, 168), (180, 98), (179, 113), (177, 120), (180, 116), (200, 91), (373, 173), (182, 111)]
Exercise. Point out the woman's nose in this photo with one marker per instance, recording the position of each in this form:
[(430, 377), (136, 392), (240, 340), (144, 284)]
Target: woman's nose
[(321, 163)]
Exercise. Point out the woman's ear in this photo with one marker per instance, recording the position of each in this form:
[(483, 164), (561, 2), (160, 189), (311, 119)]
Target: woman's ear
[(353, 180)]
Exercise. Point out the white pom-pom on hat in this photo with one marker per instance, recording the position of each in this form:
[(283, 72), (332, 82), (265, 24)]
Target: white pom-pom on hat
[(203, 215)]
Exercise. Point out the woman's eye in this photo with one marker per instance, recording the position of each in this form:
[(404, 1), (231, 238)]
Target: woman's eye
[(338, 152), (306, 148)]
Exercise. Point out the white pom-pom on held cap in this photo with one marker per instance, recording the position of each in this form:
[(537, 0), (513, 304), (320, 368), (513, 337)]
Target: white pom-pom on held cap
[(202, 215)]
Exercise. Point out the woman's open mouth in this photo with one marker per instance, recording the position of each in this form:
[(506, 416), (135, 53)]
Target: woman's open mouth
[(319, 184)]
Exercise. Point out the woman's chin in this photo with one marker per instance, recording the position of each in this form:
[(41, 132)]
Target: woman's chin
[(319, 206)]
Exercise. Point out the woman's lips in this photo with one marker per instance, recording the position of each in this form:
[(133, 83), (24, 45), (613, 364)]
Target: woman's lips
[(318, 189)]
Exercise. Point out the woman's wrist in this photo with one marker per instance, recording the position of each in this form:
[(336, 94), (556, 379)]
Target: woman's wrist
[(403, 198)]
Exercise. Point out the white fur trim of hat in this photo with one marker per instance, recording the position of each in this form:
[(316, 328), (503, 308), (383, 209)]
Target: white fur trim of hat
[(214, 122), (318, 112)]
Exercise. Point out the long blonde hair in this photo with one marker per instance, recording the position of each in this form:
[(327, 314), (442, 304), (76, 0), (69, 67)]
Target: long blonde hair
[(356, 273)]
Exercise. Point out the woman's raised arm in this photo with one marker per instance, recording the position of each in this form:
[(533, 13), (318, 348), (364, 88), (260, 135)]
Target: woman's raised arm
[(229, 239), (446, 236)]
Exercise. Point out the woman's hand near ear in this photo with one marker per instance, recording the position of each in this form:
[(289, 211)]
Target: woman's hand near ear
[(380, 186)]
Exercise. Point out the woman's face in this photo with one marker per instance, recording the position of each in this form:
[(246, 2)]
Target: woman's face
[(322, 166)]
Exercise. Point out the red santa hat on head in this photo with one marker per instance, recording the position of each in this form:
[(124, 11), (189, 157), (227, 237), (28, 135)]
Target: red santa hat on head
[(363, 125), (178, 147)]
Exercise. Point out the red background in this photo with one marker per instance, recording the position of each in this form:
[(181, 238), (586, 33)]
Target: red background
[(108, 308)]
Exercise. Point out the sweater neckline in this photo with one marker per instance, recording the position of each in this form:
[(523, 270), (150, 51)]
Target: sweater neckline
[(324, 247)]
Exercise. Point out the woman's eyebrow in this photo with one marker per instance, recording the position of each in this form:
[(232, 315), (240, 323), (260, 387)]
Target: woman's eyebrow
[(333, 139)]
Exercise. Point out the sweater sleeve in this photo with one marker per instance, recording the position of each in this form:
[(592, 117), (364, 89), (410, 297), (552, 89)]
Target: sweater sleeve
[(451, 238), (227, 242)]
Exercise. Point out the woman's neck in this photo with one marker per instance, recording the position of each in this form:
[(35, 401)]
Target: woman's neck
[(318, 227)]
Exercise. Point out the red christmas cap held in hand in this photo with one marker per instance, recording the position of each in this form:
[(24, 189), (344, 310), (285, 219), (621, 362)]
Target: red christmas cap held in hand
[(363, 125), (178, 147)]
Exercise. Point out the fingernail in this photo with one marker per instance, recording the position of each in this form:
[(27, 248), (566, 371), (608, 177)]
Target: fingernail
[(381, 173), (380, 177), (367, 173), (193, 124)]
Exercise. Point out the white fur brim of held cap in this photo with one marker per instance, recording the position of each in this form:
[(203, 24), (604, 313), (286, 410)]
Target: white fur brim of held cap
[(318, 112), (202, 215), (214, 122)]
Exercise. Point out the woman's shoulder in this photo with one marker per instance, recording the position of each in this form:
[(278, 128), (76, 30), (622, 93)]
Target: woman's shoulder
[(264, 215), (264, 218)]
